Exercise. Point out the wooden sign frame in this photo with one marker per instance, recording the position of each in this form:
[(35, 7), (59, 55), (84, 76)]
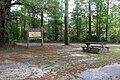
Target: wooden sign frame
[(34, 33)]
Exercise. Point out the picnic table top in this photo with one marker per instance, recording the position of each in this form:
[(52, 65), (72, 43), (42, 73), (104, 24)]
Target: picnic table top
[(102, 43), (95, 42)]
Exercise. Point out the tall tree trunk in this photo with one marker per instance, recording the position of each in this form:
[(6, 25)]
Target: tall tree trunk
[(42, 18), (107, 20), (3, 13), (86, 26), (61, 32), (77, 18), (2, 23), (2, 27), (53, 31), (49, 29), (24, 36), (80, 29), (66, 24), (97, 20), (90, 32), (100, 22)]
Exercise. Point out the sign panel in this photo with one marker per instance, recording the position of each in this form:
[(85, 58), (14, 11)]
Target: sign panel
[(34, 34)]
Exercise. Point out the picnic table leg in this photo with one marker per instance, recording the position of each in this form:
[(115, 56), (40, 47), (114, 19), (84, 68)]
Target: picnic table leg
[(103, 48), (41, 42), (88, 46)]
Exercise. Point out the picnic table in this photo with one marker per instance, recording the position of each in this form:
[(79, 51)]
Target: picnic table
[(95, 45)]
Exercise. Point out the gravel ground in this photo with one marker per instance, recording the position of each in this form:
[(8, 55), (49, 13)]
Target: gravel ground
[(109, 72), (37, 62), (11, 70)]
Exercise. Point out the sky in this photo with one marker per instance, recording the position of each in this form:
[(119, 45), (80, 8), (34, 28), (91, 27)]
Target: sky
[(71, 5)]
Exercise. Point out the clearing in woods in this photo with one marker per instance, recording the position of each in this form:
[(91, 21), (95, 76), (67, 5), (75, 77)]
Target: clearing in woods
[(53, 62)]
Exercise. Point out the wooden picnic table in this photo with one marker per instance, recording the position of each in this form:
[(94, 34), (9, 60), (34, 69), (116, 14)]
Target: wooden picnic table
[(103, 44), (95, 45)]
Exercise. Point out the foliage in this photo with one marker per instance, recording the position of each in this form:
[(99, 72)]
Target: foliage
[(105, 20)]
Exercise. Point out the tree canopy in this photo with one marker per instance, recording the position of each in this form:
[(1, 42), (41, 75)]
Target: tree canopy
[(90, 20)]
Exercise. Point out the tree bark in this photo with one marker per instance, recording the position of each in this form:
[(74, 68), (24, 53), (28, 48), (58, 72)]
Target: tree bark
[(97, 21), (42, 18), (100, 22), (3, 14), (2, 23), (90, 32), (107, 20), (66, 24), (80, 29), (2, 27), (24, 36)]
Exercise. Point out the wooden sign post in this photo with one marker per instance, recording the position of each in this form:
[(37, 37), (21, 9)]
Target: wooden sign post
[(34, 33)]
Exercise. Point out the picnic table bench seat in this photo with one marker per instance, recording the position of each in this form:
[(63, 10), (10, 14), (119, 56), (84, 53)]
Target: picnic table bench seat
[(86, 48), (92, 49), (100, 47)]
